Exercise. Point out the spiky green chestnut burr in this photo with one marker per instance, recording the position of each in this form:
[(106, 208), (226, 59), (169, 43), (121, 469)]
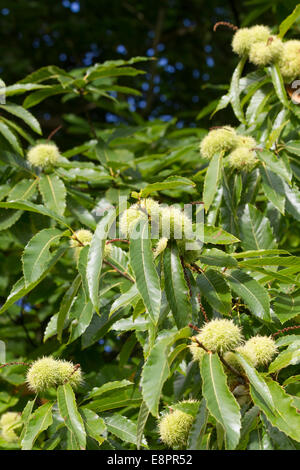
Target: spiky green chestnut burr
[(196, 351), (289, 63), (79, 239), (43, 155), (244, 38), (218, 140), (241, 41), (232, 360), (128, 219), (160, 246), (48, 372), (150, 206), (266, 52), (9, 421), (174, 223), (66, 372), (242, 158), (144, 208), (248, 354), (174, 428), (260, 350), (107, 250), (220, 335), (42, 374), (246, 141)]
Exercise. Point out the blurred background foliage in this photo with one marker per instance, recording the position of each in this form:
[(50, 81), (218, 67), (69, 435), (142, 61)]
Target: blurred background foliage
[(193, 64)]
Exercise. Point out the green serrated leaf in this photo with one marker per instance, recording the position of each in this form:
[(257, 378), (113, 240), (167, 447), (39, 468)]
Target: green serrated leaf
[(173, 182), (196, 439), (215, 289), (96, 255), (255, 230), (142, 263), (23, 114), (69, 412), (253, 294), (176, 288), (53, 192), (66, 304), (212, 179), (19, 289), (39, 421), (123, 428), (94, 425), (220, 401), (10, 137), (141, 423), (156, 369), (289, 21), (37, 255)]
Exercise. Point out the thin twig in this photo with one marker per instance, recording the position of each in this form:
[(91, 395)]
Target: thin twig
[(54, 132), (225, 23), (202, 308), (113, 240), (195, 328), (14, 364), (196, 340), (119, 271), (74, 237), (75, 368), (197, 268), (187, 280), (284, 330), (233, 369)]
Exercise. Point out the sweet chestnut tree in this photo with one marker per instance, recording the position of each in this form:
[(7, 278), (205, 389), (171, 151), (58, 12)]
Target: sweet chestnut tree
[(150, 288)]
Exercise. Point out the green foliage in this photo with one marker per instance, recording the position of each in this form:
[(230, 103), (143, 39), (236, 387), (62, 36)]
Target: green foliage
[(126, 312)]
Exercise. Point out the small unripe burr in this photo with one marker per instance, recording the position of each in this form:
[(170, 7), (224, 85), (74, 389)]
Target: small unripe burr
[(174, 223), (247, 353), (246, 141), (260, 350), (242, 158), (244, 38), (196, 351), (42, 374), (107, 250), (43, 155), (160, 246), (9, 421), (80, 239), (289, 63), (220, 335), (232, 360), (48, 372), (266, 52), (218, 140), (68, 372), (144, 208), (174, 428), (150, 206), (129, 218)]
